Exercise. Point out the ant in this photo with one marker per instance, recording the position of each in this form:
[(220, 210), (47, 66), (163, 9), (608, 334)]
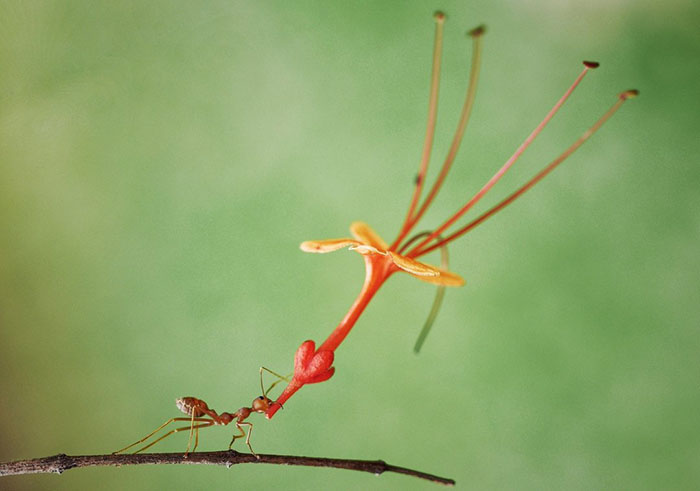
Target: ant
[(197, 410)]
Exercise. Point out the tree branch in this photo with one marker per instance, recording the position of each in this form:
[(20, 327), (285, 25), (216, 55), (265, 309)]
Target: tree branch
[(62, 462)]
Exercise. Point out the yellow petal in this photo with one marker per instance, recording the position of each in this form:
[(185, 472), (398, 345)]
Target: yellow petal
[(426, 272), (364, 233), (366, 249), (446, 278), (328, 245), (412, 266)]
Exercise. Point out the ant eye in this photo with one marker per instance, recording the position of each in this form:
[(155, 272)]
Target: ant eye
[(261, 398)]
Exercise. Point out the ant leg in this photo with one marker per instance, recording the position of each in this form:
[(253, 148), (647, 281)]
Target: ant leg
[(247, 440), (189, 441), (233, 439), (204, 423), (280, 378), (150, 434)]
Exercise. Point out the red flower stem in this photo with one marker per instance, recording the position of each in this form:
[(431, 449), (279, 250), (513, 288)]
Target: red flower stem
[(430, 130), (378, 269), (539, 176), (288, 392), (416, 251)]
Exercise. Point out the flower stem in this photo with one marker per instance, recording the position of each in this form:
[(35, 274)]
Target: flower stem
[(378, 269)]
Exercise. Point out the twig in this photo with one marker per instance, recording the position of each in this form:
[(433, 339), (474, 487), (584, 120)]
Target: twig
[(62, 462)]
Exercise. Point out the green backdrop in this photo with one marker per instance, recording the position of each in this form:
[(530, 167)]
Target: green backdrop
[(161, 161)]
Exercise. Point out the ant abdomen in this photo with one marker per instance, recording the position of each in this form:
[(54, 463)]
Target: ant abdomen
[(188, 405)]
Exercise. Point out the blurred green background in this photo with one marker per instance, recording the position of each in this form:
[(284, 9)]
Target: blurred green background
[(161, 161)]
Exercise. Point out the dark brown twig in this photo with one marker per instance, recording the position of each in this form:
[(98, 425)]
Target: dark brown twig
[(62, 462)]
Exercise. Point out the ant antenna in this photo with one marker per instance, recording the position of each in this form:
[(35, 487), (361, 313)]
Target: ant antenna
[(280, 378)]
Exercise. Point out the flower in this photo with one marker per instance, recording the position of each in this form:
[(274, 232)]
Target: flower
[(314, 365), (368, 243)]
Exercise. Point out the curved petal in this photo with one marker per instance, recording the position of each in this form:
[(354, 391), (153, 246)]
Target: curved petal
[(412, 266), (366, 249), (426, 272), (446, 278), (328, 245), (311, 366), (364, 233)]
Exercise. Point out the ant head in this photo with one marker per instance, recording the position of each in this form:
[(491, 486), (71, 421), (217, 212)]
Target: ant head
[(261, 404)]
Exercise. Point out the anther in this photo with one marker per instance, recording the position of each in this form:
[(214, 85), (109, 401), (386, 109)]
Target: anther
[(477, 31)]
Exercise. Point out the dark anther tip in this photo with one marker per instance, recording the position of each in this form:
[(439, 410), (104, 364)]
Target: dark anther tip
[(477, 31)]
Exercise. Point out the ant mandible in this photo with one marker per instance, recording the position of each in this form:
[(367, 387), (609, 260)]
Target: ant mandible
[(197, 411)]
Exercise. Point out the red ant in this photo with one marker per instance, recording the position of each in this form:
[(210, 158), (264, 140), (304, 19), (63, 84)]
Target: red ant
[(197, 410)]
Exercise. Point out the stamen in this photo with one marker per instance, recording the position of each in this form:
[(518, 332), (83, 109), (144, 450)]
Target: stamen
[(588, 65), (456, 140), (628, 94), (440, 294), (437, 303), (432, 118), (428, 325)]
